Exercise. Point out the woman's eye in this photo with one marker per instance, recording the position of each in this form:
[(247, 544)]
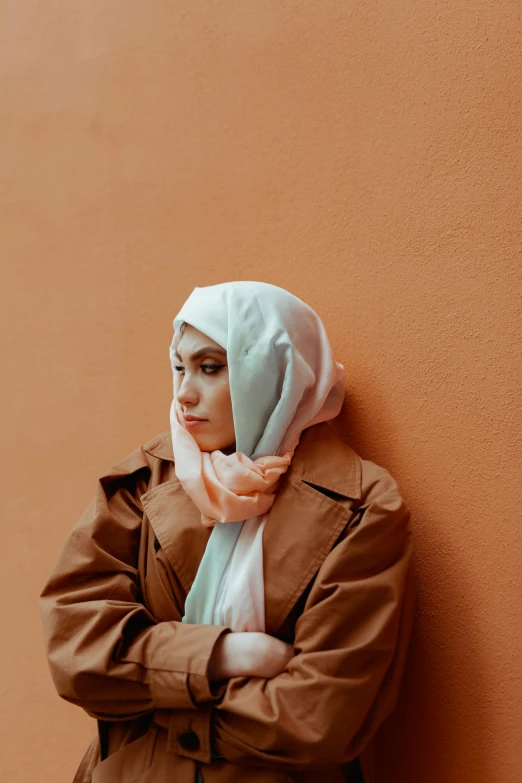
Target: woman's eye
[(209, 369)]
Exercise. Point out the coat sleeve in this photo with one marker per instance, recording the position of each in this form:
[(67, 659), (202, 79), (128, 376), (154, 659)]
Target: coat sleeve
[(350, 644), (106, 652)]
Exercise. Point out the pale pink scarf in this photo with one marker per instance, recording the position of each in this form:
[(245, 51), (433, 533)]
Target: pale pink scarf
[(232, 488), (225, 487)]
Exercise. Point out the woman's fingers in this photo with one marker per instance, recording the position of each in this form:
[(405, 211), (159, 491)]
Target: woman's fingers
[(248, 654)]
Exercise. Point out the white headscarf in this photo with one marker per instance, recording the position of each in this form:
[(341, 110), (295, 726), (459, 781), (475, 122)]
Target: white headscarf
[(283, 378)]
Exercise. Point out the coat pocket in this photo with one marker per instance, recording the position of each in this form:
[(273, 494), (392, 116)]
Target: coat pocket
[(129, 762)]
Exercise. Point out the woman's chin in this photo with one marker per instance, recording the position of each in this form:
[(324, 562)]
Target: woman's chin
[(210, 447), (206, 445)]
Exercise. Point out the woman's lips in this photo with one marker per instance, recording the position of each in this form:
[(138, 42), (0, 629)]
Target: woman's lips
[(191, 424)]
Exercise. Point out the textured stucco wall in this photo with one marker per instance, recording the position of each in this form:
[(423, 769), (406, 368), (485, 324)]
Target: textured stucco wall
[(367, 157)]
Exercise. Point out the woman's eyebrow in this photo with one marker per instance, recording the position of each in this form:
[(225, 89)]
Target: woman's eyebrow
[(202, 351)]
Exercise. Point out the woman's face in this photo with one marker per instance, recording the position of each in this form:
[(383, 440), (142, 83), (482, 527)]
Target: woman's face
[(202, 389)]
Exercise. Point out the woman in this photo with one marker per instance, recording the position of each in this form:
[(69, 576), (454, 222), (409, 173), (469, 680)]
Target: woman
[(236, 602)]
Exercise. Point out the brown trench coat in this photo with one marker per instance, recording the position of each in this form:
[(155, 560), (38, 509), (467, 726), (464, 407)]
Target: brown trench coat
[(339, 586)]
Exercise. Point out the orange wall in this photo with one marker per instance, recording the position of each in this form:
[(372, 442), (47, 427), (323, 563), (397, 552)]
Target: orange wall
[(362, 155)]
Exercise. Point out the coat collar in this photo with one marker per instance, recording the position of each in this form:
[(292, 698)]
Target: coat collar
[(302, 527), (321, 458)]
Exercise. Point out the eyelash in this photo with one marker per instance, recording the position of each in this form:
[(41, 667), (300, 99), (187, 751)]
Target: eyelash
[(213, 367)]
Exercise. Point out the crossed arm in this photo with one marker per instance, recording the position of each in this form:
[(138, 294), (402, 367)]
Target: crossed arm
[(252, 698)]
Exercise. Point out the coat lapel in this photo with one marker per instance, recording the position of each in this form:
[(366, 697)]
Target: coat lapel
[(301, 529), (176, 522), (304, 523)]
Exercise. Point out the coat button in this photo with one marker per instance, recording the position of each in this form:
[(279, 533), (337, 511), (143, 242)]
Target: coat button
[(189, 740)]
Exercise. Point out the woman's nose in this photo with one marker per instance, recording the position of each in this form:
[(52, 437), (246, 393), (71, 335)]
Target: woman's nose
[(187, 392)]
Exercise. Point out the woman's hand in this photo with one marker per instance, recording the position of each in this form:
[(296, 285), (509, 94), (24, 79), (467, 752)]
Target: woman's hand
[(248, 654)]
